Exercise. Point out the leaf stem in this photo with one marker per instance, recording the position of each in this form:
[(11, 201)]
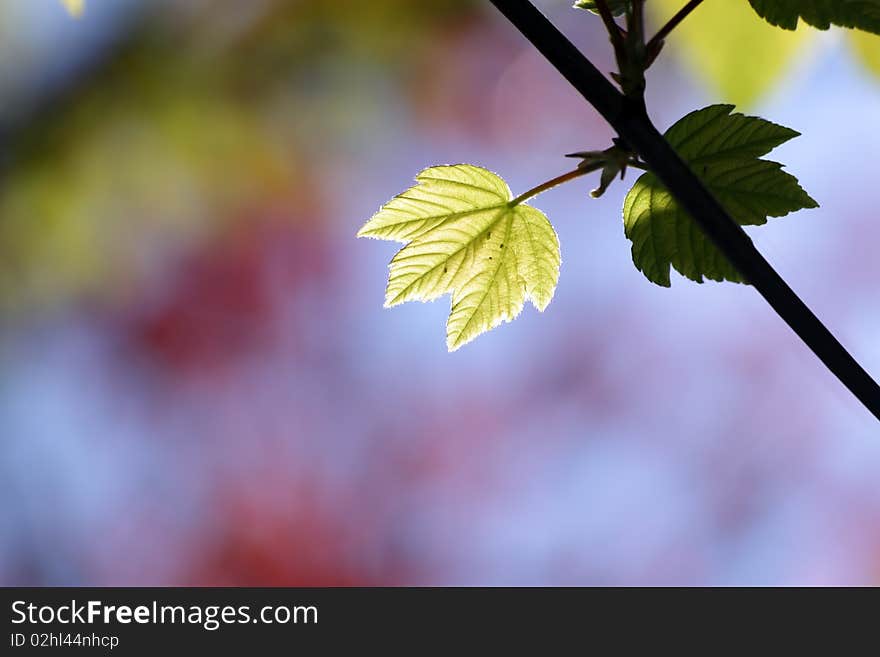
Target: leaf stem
[(555, 182), (684, 12)]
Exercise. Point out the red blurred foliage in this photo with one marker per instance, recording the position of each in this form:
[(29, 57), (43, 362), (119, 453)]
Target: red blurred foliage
[(277, 541), (479, 72), (465, 63), (223, 300)]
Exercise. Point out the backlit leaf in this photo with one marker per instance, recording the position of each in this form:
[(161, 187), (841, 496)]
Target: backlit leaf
[(723, 149), (465, 238)]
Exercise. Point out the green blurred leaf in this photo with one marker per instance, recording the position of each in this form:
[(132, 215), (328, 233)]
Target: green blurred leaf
[(75, 7), (617, 7), (739, 57), (465, 238), (210, 140), (867, 49), (723, 150), (860, 14)]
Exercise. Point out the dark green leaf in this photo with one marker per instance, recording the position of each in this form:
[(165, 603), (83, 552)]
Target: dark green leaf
[(723, 149), (860, 14)]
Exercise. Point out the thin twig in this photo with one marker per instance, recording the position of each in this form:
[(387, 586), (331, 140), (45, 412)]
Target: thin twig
[(633, 82), (631, 122), (638, 26), (613, 32)]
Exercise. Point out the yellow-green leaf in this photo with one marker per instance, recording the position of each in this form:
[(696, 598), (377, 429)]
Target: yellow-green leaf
[(465, 237), (739, 57)]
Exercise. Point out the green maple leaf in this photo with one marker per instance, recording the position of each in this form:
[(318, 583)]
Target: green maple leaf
[(860, 14), (617, 7), (723, 149), (466, 237)]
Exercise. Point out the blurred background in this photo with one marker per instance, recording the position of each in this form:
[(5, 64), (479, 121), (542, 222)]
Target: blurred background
[(199, 384)]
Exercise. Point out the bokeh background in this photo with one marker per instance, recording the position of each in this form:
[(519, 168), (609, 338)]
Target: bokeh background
[(199, 384)]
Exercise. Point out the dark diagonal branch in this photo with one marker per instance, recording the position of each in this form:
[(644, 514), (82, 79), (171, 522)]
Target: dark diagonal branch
[(629, 118)]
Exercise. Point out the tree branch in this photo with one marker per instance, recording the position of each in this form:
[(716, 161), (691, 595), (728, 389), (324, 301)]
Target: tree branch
[(630, 119)]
